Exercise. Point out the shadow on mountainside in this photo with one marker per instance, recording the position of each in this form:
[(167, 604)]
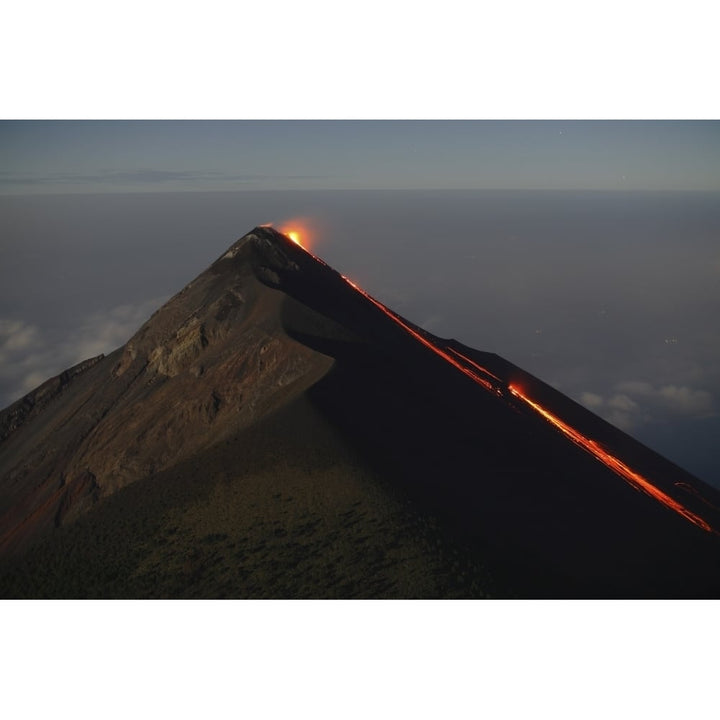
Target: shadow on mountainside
[(283, 510), (549, 519)]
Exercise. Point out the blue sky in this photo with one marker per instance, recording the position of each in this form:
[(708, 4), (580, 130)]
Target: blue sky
[(147, 156)]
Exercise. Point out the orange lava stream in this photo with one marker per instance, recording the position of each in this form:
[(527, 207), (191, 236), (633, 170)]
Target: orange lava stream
[(617, 466), (466, 371), (474, 364), (634, 478), (296, 235)]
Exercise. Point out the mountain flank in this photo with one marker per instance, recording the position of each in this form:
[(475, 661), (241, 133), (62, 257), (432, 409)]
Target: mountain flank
[(274, 431)]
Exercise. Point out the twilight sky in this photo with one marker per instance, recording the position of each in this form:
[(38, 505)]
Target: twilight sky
[(144, 156)]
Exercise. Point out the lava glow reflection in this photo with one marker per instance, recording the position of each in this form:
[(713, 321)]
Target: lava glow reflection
[(616, 465)]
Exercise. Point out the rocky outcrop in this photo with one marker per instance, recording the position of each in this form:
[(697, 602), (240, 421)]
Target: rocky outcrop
[(214, 359), (20, 411)]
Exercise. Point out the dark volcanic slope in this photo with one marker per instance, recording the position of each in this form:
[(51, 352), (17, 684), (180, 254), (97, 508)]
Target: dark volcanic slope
[(295, 438)]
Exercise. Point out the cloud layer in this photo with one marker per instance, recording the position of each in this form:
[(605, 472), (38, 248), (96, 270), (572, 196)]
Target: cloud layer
[(29, 354), (144, 178), (633, 403)]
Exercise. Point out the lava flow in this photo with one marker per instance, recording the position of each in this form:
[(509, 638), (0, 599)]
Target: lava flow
[(301, 230), (475, 365), (431, 346), (294, 235), (492, 383), (298, 232), (616, 465)]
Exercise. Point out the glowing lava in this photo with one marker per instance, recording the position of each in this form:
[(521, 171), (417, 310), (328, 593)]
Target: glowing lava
[(635, 479), (431, 346), (294, 235), (475, 365), (300, 231), (492, 383), (616, 465)]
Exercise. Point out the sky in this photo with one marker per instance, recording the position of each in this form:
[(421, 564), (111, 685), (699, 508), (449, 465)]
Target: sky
[(153, 156)]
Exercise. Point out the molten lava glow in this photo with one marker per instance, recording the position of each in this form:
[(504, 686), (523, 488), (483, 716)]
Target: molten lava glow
[(617, 466), (431, 346), (299, 237), (474, 364), (492, 383), (299, 230)]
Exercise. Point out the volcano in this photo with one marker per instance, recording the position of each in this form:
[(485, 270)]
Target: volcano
[(274, 431)]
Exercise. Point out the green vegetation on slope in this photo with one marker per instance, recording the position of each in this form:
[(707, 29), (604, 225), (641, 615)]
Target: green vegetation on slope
[(283, 510)]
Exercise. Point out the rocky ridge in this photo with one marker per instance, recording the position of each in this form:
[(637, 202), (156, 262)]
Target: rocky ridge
[(213, 359)]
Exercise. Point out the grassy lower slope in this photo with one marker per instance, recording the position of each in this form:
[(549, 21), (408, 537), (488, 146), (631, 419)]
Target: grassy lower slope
[(282, 510)]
